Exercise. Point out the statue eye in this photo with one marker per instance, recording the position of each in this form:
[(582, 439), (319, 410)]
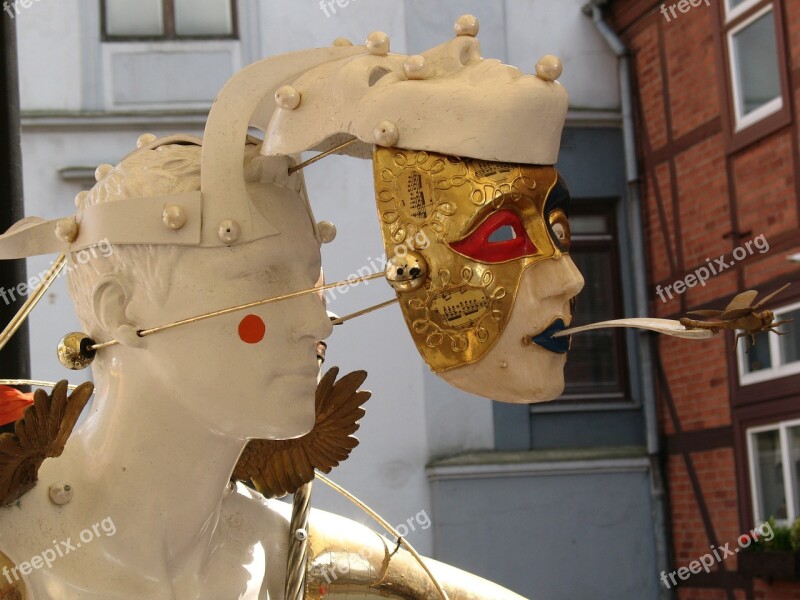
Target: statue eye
[(559, 226), (500, 238)]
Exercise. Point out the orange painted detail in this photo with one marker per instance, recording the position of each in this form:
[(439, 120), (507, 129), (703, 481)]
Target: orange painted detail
[(12, 404), (252, 329)]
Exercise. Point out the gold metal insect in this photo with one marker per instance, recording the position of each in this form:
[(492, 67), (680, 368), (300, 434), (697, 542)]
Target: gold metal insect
[(741, 314)]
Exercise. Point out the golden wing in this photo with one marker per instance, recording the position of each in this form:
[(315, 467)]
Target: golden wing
[(41, 433), (741, 305), (280, 467)]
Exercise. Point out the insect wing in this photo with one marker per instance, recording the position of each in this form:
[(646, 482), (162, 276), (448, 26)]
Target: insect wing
[(771, 296)]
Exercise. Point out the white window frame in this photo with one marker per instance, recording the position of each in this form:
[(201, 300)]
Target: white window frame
[(777, 368), (771, 107), (788, 481), (731, 13)]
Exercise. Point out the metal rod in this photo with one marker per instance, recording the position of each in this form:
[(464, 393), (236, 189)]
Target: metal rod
[(320, 156), (297, 561), (32, 301), (363, 311), (33, 383), (226, 311), (388, 528)]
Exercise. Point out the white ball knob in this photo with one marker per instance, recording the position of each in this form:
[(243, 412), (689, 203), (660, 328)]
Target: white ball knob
[(327, 231), (80, 199), (102, 171), (549, 68), (229, 231), (67, 230), (416, 67), (386, 134), (342, 42), (145, 139), (174, 217), (287, 97), (378, 43), (467, 25)]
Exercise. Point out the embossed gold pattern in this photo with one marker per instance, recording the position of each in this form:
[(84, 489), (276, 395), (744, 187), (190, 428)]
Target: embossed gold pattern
[(458, 314)]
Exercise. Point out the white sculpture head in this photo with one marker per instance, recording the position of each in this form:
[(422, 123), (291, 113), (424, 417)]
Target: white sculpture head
[(246, 374)]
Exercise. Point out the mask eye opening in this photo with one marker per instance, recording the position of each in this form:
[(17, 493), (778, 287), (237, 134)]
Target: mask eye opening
[(501, 237), (504, 233)]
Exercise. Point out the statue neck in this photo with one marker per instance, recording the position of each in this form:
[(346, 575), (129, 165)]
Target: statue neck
[(160, 472)]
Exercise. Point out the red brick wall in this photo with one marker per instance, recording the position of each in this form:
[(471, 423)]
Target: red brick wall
[(696, 190)]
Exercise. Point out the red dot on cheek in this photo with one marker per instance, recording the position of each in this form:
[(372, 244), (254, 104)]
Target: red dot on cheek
[(252, 329)]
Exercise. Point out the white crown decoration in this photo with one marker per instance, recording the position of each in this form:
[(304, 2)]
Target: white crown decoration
[(447, 100)]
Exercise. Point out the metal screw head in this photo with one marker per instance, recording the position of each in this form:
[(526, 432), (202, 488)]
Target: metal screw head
[(61, 493), (301, 535)]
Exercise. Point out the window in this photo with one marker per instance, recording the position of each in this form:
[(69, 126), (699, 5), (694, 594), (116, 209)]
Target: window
[(125, 20), (754, 61), (773, 356), (774, 454), (595, 370)]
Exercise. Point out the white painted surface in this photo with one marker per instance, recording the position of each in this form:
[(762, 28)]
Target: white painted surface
[(412, 417)]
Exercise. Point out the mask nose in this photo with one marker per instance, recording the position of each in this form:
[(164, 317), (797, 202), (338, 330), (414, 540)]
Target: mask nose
[(559, 277)]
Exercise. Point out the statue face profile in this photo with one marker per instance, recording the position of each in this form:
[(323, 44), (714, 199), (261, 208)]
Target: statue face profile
[(246, 374), (493, 268)]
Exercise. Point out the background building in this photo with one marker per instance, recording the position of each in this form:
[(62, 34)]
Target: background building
[(516, 493), (716, 88)]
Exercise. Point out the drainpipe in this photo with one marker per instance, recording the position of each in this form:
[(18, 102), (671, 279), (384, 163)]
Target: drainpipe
[(14, 357), (637, 252)]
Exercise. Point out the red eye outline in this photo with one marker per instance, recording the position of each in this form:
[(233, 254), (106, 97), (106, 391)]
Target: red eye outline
[(478, 247)]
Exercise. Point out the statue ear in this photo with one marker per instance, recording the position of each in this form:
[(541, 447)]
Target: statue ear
[(110, 300)]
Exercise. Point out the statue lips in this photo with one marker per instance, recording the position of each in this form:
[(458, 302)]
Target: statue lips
[(546, 340)]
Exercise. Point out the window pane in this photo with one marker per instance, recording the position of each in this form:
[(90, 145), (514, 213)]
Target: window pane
[(592, 360), (769, 475), (758, 357), (134, 17), (794, 452), (755, 56), (790, 343), (587, 224), (203, 17), (734, 3)]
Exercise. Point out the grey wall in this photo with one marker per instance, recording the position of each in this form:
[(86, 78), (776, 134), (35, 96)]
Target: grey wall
[(550, 531)]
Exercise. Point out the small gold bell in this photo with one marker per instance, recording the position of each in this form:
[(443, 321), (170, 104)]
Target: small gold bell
[(74, 351), (406, 272)]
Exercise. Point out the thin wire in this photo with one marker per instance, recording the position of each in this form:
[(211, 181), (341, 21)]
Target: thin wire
[(363, 311), (320, 156), (32, 301), (226, 311), (33, 382), (387, 527)]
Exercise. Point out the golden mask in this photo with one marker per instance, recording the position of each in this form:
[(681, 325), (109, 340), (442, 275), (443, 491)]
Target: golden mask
[(459, 233)]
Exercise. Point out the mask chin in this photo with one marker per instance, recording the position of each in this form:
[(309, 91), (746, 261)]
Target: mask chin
[(533, 376)]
